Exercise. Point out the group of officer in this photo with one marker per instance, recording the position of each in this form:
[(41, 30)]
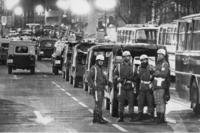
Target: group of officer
[(151, 83)]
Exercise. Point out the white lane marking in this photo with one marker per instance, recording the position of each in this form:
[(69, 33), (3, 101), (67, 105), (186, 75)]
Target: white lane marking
[(68, 94), (75, 99), (91, 110), (170, 120), (82, 104), (42, 120), (62, 89), (120, 128)]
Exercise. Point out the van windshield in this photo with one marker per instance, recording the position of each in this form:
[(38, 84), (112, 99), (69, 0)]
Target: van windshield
[(21, 49)]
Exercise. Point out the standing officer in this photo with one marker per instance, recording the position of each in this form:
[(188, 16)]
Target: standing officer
[(97, 81), (145, 73), (124, 76), (161, 85)]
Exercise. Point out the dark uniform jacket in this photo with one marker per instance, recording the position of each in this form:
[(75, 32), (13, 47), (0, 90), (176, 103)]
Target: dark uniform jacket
[(162, 70), (146, 76), (101, 79), (125, 72)]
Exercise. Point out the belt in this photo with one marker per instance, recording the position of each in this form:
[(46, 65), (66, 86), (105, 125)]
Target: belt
[(159, 79), (145, 82)]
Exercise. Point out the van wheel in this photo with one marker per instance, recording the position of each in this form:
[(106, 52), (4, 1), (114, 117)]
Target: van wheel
[(55, 70), (85, 86), (75, 82), (39, 58), (195, 97), (32, 70), (67, 75), (9, 69), (114, 107)]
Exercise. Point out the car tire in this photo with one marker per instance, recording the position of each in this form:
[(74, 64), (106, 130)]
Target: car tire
[(39, 58), (195, 94), (9, 70), (33, 70)]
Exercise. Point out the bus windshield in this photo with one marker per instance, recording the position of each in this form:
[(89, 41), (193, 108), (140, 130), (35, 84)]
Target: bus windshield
[(146, 36)]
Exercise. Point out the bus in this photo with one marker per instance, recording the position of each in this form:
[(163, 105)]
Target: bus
[(53, 17), (188, 60), (137, 33), (167, 36)]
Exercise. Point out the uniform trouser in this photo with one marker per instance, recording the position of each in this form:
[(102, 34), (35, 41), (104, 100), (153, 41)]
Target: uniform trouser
[(126, 95), (98, 103), (159, 100), (148, 96)]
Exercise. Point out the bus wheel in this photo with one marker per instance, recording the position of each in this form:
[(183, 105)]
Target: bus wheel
[(114, 107), (195, 98)]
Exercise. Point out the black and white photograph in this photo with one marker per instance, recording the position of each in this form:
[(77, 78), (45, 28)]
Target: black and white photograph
[(100, 66)]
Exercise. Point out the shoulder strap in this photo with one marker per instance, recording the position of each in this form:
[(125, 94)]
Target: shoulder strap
[(95, 76)]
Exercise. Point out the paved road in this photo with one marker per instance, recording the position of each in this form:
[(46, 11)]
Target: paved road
[(46, 103)]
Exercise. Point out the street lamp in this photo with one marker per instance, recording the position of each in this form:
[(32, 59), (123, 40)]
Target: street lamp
[(39, 9), (18, 11), (106, 5), (63, 4), (80, 7), (10, 4)]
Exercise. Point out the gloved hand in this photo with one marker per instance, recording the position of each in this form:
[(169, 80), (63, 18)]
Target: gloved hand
[(166, 98)]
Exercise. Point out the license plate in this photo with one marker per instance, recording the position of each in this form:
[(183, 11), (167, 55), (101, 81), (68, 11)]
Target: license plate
[(9, 61), (57, 61), (41, 52)]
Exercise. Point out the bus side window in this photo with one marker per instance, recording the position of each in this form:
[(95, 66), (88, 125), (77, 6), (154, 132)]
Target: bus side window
[(196, 36)]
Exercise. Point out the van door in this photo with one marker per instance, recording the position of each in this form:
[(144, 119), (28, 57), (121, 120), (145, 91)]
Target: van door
[(183, 59)]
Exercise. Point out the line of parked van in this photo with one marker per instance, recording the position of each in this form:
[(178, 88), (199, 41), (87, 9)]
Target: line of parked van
[(79, 57)]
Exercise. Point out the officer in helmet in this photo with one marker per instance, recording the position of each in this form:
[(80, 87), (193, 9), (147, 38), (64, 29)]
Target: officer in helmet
[(124, 77), (145, 73), (161, 85), (97, 81)]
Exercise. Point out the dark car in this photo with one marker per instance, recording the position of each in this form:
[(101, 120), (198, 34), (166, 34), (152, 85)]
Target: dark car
[(21, 55), (79, 56), (4, 44), (45, 48)]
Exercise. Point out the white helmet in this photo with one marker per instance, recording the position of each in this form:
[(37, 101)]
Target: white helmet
[(144, 56), (126, 53), (161, 51), (100, 57)]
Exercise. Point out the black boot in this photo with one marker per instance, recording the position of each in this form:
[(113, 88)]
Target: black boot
[(158, 118), (121, 117), (139, 117), (162, 118), (101, 120), (95, 117)]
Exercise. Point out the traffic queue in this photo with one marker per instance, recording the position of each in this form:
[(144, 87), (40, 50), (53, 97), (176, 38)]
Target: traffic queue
[(116, 75)]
